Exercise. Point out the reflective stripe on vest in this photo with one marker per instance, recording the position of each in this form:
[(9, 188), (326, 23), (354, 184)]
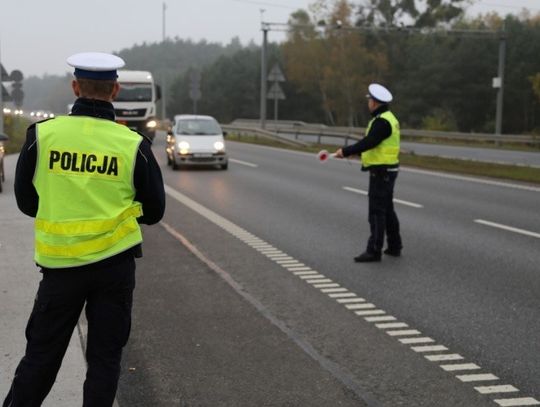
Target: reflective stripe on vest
[(387, 152), (84, 179)]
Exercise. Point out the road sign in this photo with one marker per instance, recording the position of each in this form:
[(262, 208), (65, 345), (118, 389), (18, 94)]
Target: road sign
[(276, 74), (195, 93), (275, 92), (5, 76), (195, 76), (6, 97), (195, 85), (16, 75)]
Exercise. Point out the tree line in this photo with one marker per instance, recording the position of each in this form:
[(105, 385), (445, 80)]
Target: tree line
[(424, 51), (438, 67)]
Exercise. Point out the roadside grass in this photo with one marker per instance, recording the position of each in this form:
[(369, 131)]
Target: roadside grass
[(15, 129), (465, 167)]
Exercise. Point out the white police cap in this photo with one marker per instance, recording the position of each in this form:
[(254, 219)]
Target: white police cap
[(380, 93), (95, 65)]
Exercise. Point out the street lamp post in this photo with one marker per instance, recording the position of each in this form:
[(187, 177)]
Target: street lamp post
[(163, 79)]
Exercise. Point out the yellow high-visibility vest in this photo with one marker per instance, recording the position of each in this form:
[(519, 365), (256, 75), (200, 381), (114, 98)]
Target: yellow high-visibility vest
[(84, 179), (387, 152)]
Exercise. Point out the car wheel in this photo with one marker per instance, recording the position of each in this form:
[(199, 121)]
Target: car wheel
[(224, 166), (169, 161), (175, 166)]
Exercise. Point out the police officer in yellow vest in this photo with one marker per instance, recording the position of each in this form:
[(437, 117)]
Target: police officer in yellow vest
[(379, 152), (89, 182)]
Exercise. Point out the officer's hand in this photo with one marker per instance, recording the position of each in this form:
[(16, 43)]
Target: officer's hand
[(339, 153)]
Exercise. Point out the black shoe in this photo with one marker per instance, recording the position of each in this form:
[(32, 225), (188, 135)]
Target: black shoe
[(367, 257), (393, 252)]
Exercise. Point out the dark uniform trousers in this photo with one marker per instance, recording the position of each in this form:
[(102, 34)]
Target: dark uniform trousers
[(382, 216), (107, 290)]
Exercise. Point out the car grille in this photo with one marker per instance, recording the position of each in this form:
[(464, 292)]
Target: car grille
[(203, 159)]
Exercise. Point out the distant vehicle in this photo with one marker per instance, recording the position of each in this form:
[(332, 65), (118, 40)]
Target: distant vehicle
[(196, 140), (3, 138), (41, 114), (135, 104)]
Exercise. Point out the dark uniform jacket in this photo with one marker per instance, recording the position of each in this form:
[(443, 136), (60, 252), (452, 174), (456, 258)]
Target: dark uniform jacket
[(380, 130), (147, 175)]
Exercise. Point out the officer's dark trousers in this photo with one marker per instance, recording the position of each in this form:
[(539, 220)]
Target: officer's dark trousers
[(382, 216), (107, 291)]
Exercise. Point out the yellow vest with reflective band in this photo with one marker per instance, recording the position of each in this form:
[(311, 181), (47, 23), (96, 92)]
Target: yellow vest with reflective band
[(387, 152), (84, 179)]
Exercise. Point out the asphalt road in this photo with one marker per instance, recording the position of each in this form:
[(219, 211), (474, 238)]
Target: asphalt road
[(463, 299)]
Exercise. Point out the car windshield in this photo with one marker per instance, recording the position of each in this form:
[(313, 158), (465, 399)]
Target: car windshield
[(198, 127), (134, 92)]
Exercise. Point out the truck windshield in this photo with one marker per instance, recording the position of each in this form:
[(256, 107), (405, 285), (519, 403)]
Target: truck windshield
[(198, 127), (134, 92)]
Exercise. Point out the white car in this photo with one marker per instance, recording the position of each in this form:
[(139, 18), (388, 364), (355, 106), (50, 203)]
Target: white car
[(196, 140)]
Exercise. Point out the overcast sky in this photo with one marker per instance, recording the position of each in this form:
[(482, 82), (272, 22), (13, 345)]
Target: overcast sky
[(36, 36)]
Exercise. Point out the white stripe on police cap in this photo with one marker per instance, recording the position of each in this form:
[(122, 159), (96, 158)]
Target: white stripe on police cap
[(380, 93), (95, 61), (95, 65)]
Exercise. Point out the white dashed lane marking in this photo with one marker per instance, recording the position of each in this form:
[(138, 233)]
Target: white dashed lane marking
[(368, 311), (522, 401), (501, 388), (399, 201), (243, 163), (508, 228)]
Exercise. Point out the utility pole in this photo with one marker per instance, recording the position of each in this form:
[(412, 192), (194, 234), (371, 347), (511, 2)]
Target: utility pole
[(500, 92), (265, 28), (164, 21), (163, 79)]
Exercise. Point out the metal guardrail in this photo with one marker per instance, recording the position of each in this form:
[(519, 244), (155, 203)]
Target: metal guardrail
[(298, 129), (257, 132)]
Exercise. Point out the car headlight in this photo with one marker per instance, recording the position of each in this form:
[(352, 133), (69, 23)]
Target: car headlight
[(183, 147), (219, 146), (151, 124)]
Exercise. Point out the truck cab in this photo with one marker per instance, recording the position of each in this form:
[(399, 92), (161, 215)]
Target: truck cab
[(135, 104)]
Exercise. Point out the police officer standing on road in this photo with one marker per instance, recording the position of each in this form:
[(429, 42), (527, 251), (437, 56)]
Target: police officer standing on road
[(379, 152), (89, 182)]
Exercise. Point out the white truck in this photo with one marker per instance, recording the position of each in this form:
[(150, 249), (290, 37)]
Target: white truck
[(135, 104)]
